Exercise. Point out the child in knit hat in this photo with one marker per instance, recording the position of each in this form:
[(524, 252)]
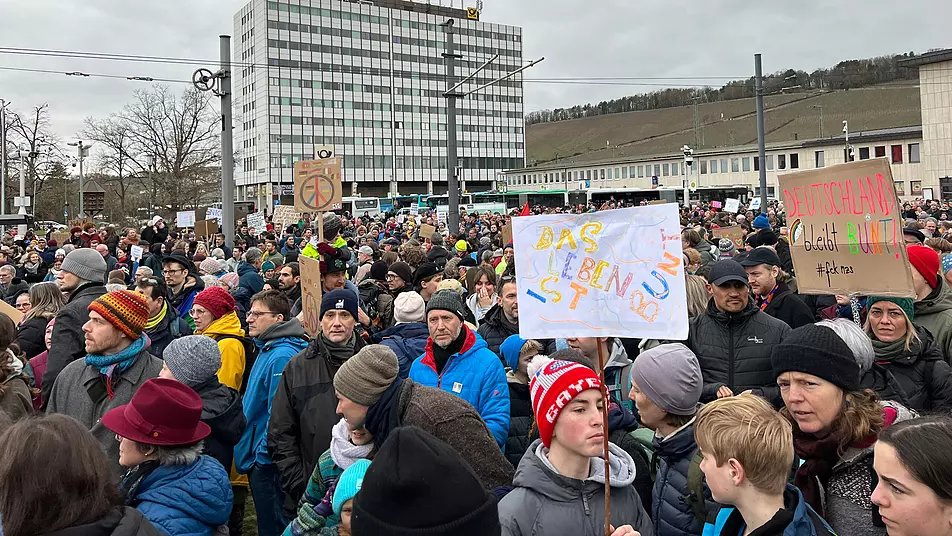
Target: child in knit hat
[(567, 461), (331, 516), (518, 353)]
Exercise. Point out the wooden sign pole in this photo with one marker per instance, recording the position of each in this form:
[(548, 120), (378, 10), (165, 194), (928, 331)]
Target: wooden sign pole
[(605, 452)]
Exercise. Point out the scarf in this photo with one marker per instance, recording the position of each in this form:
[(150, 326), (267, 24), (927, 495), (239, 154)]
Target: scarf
[(819, 456), (384, 415), (155, 320), (764, 302), (442, 355), (338, 353), (130, 481), (343, 452), (112, 363), (887, 351)]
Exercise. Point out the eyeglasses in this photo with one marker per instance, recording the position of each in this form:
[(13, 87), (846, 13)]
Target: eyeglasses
[(170, 272), (256, 314)]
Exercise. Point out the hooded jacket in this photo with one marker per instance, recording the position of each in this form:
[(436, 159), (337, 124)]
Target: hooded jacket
[(474, 374), (407, 340), (224, 330), (249, 278), (919, 379), (734, 350), (221, 411), (935, 313), (120, 521), (69, 341), (546, 502), (182, 302), (161, 335), (520, 420), (186, 500), (277, 345), (804, 521)]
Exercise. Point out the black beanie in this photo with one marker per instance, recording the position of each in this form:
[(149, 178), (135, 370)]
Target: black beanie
[(378, 271), (447, 300), (818, 351), (417, 484)]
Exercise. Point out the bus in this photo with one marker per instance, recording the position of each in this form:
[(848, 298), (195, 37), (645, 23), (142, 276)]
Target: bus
[(516, 199), (479, 203), (358, 207)]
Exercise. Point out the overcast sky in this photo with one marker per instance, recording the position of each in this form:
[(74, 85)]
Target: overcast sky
[(594, 38)]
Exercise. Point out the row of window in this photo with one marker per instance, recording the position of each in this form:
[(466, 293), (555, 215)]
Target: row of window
[(430, 43), (385, 141), (324, 30), (330, 49), (376, 71), (381, 90), (330, 103), (879, 151), (470, 32), (404, 162), (373, 123)]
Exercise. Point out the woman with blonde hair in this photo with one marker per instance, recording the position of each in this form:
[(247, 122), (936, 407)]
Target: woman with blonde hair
[(46, 300), (698, 296)]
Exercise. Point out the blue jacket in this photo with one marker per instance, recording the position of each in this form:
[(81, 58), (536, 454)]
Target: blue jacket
[(249, 278), (670, 509), (277, 345), (186, 500), (805, 522), (474, 374), (407, 340)]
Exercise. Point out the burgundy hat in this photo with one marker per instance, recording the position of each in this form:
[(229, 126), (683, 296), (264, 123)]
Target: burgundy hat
[(162, 412)]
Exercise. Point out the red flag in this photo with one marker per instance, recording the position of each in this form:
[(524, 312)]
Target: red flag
[(525, 210)]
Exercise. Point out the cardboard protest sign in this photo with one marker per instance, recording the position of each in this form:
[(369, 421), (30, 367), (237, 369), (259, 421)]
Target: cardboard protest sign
[(507, 234), (733, 233), (206, 228), (185, 218), (732, 205), (426, 231), (615, 273), (311, 294), (846, 230), (256, 220), (61, 237), (284, 216), (317, 185), (11, 312)]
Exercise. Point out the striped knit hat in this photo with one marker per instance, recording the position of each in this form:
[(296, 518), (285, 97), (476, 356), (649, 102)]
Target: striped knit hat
[(554, 384), (126, 310)]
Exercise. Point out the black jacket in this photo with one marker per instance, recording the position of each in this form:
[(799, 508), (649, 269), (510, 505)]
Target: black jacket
[(120, 521), (520, 422), (734, 350), (221, 411), (69, 341), (161, 335), (495, 328), (919, 379), (303, 413), (788, 307), (31, 336), (150, 235)]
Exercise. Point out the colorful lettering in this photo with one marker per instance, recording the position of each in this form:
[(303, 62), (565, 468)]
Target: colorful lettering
[(579, 292), (598, 274)]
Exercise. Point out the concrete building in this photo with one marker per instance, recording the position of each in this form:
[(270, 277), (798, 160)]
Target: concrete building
[(935, 92), (365, 80)]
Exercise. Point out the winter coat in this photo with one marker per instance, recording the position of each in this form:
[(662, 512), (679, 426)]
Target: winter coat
[(520, 420), (120, 521), (186, 500), (787, 306), (38, 364), (734, 350), (545, 502), (495, 328), (472, 302), (224, 330), (303, 412), (183, 301), (221, 411), (670, 510), (71, 396), (709, 255), (805, 521), (407, 340), (919, 379), (15, 398), (69, 341), (31, 336), (474, 374), (17, 287), (150, 235), (161, 335), (276, 346), (249, 278), (935, 313)]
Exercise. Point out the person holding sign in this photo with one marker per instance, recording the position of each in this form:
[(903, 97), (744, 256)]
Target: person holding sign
[(770, 292)]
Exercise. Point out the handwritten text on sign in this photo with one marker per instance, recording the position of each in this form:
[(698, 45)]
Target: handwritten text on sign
[(611, 273), (846, 230)]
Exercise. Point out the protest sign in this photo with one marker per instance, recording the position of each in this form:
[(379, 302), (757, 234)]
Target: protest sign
[(733, 233), (213, 214), (257, 221), (507, 234), (732, 205), (846, 230), (311, 294), (61, 237), (615, 273), (185, 218), (716, 204), (284, 216), (206, 228), (11, 312), (317, 185), (426, 231), (135, 252)]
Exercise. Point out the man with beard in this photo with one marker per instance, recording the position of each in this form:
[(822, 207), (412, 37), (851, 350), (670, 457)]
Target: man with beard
[(289, 281), (502, 320)]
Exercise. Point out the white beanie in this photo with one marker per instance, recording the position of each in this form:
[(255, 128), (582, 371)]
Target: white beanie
[(409, 307)]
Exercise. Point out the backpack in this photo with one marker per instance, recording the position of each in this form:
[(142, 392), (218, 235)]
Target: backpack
[(368, 292), (251, 355), (695, 497)]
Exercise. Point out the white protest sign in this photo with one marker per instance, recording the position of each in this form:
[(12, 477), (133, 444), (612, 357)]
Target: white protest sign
[(731, 205), (135, 252), (284, 216), (614, 273), (257, 221), (213, 214), (185, 218), (754, 204)]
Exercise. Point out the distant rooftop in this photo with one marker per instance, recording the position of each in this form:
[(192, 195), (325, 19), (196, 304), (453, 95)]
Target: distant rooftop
[(418, 7), (935, 56)]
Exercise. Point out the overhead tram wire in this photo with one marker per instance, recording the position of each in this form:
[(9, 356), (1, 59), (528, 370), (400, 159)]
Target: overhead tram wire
[(82, 74)]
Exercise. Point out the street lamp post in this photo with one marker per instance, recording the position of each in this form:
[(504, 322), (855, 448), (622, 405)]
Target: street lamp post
[(82, 152)]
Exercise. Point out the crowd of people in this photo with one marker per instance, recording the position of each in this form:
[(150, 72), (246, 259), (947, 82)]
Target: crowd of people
[(177, 392)]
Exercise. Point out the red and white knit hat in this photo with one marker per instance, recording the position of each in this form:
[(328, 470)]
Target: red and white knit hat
[(553, 385)]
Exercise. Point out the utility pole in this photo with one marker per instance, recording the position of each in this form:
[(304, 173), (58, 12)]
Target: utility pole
[(227, 153), (819, 107), (849, 148), (761, 143), (82, 152), (3, 155), (24, 154)]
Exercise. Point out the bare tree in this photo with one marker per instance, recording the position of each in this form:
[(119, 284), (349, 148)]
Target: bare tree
[(119, 156), (32, 132)]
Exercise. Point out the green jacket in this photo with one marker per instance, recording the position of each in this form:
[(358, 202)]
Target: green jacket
[(935, 314)]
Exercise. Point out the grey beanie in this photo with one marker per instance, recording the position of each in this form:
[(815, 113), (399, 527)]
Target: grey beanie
[(193, 359), (670, 376), (86, 264), (447, 300), (364, 377)]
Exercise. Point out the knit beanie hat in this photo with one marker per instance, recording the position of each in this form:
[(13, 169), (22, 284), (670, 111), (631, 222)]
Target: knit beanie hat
[(409, 307), (436, 239), (193, 359), (210, 266), (366, 375), (922, 258), (217, 300), (725, 245), (818, 351), (447, 300), (340, 299), (906, 304), (510, 350), (86, 264), (126, 310), (403, 270), (413, 472), (761, 222), (461, 246), (552, 386), (349, 483), (231, 279), (378, 271), (670, 376)]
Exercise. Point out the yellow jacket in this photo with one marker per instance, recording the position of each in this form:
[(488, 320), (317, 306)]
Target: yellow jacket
[(232, 351)]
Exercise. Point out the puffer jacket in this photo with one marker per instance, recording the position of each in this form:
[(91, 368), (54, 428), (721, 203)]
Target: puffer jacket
[(224, 330), (120, 521), (407, 340), (474, 374), (670, 508), (805, 522), (31, 336), (495, 328), (221, 411), (186, 500), (919, 379), (935, 313), (734, 350), (520, 420), (277, 345), (545, 502)]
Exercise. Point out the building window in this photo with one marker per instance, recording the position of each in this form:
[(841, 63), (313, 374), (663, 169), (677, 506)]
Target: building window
[(900, 187), (818, 159), (641, 171), (769, 162), (657, 170), (601, 174), (864, 153), (703, 167), (723, 165), (913, 153), (879, 151), (896, 151), (794, 161), (665, 170), (713, 166), (915, 188), (756, 163), (631, 172), (675, 169), (745, 163), (735, 165), (781, 161)]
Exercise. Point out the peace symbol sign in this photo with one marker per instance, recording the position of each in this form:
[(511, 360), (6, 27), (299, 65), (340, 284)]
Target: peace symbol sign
[(317, 191)]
